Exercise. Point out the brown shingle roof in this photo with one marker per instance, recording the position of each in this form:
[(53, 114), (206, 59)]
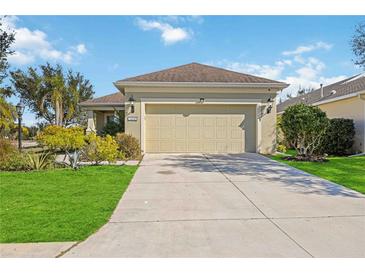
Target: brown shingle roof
[(344, 87), (111, 99), (195, 72)]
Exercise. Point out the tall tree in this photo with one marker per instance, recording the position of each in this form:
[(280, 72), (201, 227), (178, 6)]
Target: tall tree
[(7, 37), (358, 45), (52, 94)]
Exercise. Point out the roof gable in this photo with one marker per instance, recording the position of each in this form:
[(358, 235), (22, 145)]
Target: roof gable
[(195, 72), (116, 98), (341, 88)]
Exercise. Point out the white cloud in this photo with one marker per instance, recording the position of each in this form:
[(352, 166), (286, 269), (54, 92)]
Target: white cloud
[(81, 48), (308, 48), (31, 45), (266, 71), (296, 70), (169, 34), (21, 58), (182, 19)]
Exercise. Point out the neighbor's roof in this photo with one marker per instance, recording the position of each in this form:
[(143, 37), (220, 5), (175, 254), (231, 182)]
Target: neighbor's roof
[(344, 87), (111, 99), (195, 72)]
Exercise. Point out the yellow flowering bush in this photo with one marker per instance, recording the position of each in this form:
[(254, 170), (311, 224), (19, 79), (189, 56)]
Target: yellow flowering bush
[(100, 149)]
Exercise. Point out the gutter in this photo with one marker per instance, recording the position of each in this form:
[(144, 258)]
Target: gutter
[(338, 98), (357, 94), (123, 84)]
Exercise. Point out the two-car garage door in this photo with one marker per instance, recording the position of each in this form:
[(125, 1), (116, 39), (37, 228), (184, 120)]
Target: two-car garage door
[(199, 128)]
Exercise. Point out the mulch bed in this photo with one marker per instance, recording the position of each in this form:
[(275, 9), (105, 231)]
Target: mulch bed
[(320, 159)]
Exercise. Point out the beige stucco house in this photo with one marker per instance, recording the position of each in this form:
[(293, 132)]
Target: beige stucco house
[(343, 99), (193, 108)]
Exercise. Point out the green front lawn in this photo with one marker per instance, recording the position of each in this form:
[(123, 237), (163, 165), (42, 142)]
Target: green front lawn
[(346, 171), (61, 204)]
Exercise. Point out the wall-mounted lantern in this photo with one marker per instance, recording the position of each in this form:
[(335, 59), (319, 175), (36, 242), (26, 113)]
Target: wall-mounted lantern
[(131, 102), (269, 108), (201, 100)]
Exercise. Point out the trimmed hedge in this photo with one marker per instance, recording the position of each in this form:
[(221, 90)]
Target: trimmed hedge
[(339, 137)]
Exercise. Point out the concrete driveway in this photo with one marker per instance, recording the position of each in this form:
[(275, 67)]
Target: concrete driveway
[(229, 206)]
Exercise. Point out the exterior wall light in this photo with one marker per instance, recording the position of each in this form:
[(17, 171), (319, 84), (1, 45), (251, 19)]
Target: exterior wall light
[(201, 100), (131, 102)]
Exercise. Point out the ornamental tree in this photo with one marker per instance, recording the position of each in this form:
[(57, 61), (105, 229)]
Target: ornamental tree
[(304, 128)]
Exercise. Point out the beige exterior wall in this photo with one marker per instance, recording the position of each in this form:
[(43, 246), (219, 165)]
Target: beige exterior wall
[(263, 138), (352, 108), (268, 131)]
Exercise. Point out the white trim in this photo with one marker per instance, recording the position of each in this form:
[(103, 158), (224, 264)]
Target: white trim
[(102, 108), (347, 96), (208, 101), (123, 84)]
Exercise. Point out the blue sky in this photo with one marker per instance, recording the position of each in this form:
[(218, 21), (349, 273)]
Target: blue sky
[(301, 50)]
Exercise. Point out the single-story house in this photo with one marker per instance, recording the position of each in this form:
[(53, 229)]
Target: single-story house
[(193, 108), (343, 99)]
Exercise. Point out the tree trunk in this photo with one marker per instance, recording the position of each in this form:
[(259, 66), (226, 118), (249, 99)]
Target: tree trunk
[(57, 113)]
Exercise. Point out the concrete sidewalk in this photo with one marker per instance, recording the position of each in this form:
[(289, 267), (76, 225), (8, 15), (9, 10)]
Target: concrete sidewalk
[(34, 250), (229, 206)]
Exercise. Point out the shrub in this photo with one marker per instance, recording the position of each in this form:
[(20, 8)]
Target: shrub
[(115, 126), (112, 128), (281, 148), (304, 128), (339, 137), (128, 146), (17, 162), (6, 148), (10, 158), (70, 140), (101, 148), (39, 161)]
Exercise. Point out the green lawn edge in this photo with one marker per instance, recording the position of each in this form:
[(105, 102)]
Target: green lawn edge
[(59, 205), (346, 171)]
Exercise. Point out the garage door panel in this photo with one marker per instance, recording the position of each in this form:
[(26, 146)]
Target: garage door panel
[(221, 121), (193, 133), (221, 133), (153, 133), (153, 121), (167, 133), (180, 121), (191, 130), (194, 146), (153, 145), (167, 146), (180, 146), (236, 133), (209, 132), (167, 121), (180, 133)]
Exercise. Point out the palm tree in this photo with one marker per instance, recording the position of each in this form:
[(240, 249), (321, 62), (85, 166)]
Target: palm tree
[(51, 94)]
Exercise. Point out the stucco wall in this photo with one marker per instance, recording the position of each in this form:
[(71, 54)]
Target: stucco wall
[(267, 125), (352, 108), (268, 132)]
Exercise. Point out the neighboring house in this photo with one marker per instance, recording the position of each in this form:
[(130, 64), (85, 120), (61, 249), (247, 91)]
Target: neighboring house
[(343, 99), (194, 108)]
